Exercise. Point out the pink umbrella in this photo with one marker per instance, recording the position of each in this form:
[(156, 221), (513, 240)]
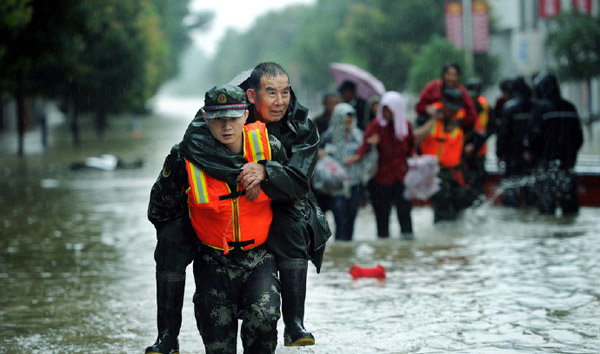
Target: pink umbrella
[(367, 85)]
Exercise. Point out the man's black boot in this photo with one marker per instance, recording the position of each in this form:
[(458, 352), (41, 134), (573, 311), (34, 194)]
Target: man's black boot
[(292, 274), (170, 287)]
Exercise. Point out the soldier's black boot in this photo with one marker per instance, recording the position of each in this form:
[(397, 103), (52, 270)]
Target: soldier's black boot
[(292, 274), (170, 287)]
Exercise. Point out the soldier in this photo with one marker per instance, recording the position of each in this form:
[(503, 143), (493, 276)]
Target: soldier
[(236, 276)]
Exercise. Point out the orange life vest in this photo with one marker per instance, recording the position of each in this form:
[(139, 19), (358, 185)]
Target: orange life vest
[(223, 218), (482, 121), (447, 146)]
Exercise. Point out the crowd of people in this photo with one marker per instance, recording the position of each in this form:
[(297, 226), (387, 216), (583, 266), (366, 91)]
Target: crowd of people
[(235, 196), (538, 135)]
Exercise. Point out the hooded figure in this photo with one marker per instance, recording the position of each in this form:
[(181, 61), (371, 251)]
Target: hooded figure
[(556, 138), (390, 133), (513, 144), (342, 139), (556, 128)]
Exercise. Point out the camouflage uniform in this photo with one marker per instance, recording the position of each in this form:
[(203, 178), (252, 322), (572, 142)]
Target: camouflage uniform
[(242, 285)]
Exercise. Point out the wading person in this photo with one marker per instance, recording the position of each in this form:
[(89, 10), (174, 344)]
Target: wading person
[(236, 277), (442, 136), (340, 141), (391, 134), (299, 229), (556, 139)]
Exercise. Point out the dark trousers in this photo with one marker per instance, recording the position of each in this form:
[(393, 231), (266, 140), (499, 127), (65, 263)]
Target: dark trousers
[(240, 286), (451, 199), (383, 197), (344, 212), (556, 184)]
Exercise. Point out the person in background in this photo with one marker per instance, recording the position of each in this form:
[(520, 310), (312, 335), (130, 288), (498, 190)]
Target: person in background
[(330, 99), (391, 134), (556, 139), (370, 113), (340, 141), (432, 92), (513, 146), (504, 87), (443, 137), (193, 213), (348, 93), (371, 109), (474, 146)]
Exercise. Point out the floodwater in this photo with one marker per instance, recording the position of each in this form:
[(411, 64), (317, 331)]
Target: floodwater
[(77, 272)]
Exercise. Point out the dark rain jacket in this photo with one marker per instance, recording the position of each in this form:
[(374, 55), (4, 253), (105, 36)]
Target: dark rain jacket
[(295, 210), (513, 130), (556, 129)]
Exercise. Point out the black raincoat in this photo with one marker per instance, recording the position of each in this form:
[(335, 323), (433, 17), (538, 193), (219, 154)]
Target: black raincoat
[(298, 222), (513, 131), (556, 130)]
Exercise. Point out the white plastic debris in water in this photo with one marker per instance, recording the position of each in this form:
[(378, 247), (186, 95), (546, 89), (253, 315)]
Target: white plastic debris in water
[(105, 162), (49, 183)]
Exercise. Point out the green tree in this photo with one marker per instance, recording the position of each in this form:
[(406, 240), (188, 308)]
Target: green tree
[(385, 35), (36, 35), (271, 38), (430, 61), (573, 40)]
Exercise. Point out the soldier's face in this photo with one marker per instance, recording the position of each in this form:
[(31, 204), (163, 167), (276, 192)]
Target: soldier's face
[(228, 131), (273, 99)]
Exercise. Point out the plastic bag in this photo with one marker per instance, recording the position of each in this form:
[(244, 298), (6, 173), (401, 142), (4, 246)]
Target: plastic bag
[(421, 181), (329, 178)]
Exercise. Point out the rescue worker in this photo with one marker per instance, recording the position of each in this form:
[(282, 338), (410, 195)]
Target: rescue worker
[(442, 136), (235, 274), (514, 148), (556, 139), (299, 229), (475, 147)]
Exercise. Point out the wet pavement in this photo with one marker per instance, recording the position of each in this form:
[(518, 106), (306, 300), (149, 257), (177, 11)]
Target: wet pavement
[(77, 270)]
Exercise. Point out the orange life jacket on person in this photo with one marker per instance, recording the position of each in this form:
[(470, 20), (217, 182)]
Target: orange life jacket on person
[(482, 121), (222, 217), (447, 146)]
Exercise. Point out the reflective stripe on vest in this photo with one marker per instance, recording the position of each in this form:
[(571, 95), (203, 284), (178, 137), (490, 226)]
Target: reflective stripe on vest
[(447, 146), (482, 121), (223, 218)]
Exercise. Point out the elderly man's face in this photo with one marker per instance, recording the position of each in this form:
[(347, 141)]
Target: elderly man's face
[(273, 99)]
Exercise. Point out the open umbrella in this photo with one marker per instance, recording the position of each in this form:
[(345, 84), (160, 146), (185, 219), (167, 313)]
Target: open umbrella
[(367, 85)]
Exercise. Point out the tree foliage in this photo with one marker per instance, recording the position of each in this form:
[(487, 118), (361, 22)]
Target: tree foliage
[(104, 56), (573, 40), (384, 37)]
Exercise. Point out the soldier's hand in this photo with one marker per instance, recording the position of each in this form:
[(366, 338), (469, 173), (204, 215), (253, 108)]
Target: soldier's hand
[(252, 174)]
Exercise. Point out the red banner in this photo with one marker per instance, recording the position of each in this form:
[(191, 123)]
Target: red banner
[(549, 8), (454, 23), (584, 6), (480, 28)]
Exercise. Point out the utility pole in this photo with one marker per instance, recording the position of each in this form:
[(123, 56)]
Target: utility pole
[(468, 34)]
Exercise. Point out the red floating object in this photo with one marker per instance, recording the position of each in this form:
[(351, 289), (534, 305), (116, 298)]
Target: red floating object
[(360, 272)]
